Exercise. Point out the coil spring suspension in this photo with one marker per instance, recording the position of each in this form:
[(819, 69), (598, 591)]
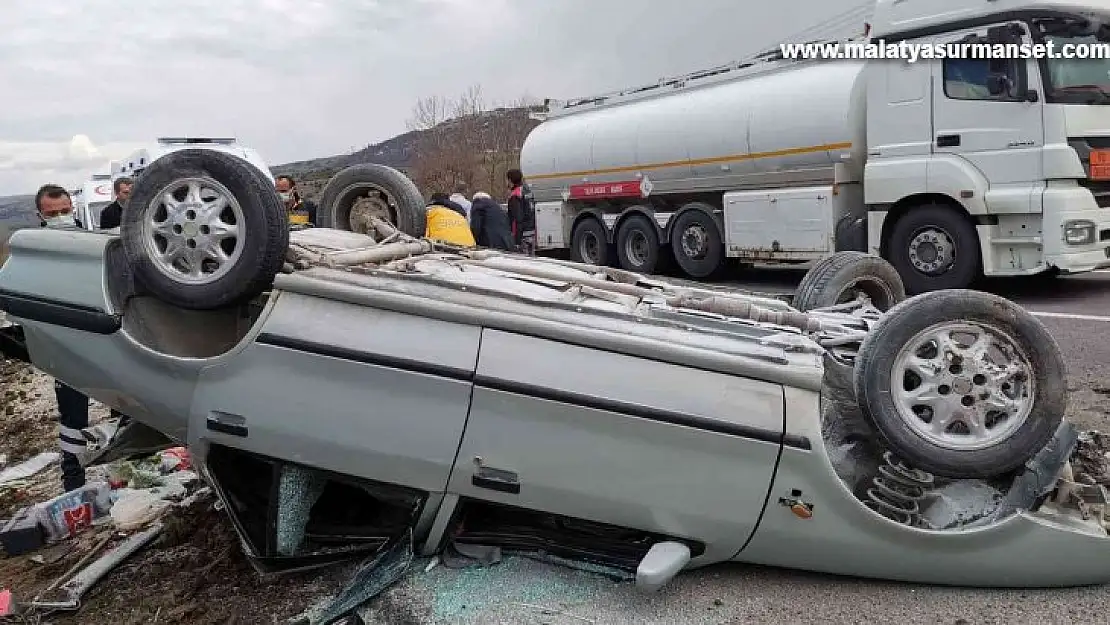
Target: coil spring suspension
[(897, 491)]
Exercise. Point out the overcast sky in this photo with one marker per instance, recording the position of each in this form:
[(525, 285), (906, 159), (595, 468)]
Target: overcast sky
[(84, 81)]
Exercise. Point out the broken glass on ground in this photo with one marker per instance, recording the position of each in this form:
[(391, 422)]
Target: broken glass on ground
[(379, 573)]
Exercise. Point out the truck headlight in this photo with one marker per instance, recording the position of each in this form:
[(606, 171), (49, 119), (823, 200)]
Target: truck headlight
[(1079, 232)]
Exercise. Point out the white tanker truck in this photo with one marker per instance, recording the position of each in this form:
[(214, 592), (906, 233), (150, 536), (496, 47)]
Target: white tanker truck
[(949, 169)]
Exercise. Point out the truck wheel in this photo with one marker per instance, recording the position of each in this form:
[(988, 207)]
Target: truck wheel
[(589, 243), (638, 245), (204, 229), (361, 191), (963, 384), (696, 241), (934, 247), (842, 277)]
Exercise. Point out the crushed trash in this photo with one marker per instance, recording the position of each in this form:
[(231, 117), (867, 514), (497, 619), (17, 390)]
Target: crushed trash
[(68, 514)]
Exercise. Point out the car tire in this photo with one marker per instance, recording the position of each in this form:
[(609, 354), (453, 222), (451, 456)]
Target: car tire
[(836, 279), (407, 211), (896, 360), (589, 243), (638, 245), (216, 194), (950, 232), (700, 256)]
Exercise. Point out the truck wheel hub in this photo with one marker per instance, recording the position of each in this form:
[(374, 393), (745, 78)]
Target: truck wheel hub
[(932, 251), (694, 241)]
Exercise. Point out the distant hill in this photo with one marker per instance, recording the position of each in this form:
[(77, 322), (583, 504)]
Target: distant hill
[(17, 209), (475, 148)]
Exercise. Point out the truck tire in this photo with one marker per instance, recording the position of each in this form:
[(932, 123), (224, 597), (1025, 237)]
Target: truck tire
[(402, 204), (839, 278), (204, 230), (934, 247), (638, 245), (696, 242), (589, 243), (1000, 390)]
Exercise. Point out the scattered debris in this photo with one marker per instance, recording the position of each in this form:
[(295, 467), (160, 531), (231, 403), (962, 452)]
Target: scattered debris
[(379, 573), (28, 468), (72, 591)]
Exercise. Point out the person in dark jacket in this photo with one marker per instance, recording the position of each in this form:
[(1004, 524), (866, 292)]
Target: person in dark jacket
[(522, 213), (301, 212), (112, 215), (442, 199), (490, 223)]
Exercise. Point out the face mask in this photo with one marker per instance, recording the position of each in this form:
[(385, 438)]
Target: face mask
[(285, 196), (60, 221)]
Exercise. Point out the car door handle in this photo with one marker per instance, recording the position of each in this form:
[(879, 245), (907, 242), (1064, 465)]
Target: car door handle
[(496, 479), (226, 423), (948, 141)]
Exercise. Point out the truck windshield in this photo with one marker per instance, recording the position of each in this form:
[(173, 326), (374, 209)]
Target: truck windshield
[(1077, 80)]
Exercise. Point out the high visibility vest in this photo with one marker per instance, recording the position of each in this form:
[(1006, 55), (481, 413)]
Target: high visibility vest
[(448, 226)]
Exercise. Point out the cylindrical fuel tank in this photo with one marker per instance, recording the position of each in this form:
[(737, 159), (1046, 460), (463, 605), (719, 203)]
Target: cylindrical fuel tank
[(751, 129)]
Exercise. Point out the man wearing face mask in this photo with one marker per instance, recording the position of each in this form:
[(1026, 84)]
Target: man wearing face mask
[(55, 209), (112, 214), (301, 212)]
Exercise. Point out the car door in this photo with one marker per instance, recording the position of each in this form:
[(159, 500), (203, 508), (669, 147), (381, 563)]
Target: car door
[(622, 440), (1000, 135), (359, 391)]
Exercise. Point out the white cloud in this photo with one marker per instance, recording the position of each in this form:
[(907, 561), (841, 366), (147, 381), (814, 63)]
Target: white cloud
[(304, 78)]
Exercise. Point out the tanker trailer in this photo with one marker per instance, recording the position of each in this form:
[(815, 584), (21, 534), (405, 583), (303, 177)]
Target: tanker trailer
[(945, 167)]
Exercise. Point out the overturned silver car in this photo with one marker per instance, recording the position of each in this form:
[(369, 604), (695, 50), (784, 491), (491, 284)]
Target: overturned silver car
[(341, 389)]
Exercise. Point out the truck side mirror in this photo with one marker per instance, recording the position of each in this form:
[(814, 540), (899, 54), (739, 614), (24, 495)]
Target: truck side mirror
[(998, 84)]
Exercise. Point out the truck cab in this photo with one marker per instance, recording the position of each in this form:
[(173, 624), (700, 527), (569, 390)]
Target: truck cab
[(1013, 146)]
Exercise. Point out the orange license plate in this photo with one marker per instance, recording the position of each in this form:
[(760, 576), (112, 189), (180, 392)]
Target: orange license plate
[(1100, 164)]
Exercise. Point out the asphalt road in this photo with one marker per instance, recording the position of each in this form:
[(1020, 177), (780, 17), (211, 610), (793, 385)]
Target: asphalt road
[(1077, 312)]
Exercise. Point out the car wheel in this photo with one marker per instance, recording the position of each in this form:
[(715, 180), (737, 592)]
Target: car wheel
[(696, 242), (960, 383), (934, 247), (204, 229), (638, 245), (362, 191), (842, 277), (589, 243)]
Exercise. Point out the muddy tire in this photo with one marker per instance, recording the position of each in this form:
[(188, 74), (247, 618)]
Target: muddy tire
[(839, 278), (204, 230), (589, 243), (962, 384), (402, 204)]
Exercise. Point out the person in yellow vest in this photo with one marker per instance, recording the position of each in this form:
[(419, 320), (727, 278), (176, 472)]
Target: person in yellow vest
[(447, 224)]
